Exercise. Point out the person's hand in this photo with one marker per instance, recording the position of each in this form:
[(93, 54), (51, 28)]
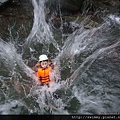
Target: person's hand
[(34, 68), (34, 72), (52, 66)]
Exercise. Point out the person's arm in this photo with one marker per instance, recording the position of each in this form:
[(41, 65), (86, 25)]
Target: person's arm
[(35, 68), (51, 64)]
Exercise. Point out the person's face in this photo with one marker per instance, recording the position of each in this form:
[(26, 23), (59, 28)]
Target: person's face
[(44, 64)]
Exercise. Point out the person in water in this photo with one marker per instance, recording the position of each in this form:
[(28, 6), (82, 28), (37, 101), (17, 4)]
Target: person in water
[(43, 69)]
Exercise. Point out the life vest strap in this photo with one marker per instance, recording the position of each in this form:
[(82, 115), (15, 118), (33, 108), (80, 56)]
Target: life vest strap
[(45, 79)]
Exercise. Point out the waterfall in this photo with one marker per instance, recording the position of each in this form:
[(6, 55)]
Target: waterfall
[(40, 32)]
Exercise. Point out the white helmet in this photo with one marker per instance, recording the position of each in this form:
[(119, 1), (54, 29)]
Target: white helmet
[(43, 57)]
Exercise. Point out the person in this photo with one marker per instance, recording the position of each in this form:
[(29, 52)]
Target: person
[(43, 69)]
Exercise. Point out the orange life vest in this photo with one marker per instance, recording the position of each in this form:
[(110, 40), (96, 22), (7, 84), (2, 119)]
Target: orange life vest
[(43, 75)]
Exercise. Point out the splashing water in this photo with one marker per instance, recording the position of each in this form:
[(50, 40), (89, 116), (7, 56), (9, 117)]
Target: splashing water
[(86, 77), (40, 30)]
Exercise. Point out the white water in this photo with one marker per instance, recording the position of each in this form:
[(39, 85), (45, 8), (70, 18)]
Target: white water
[(92, 85), (40, 32)]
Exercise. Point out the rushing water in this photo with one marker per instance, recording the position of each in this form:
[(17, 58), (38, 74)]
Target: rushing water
[(88, 61)]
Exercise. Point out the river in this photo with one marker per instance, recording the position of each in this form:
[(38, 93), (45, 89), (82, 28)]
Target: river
[(89, 69)]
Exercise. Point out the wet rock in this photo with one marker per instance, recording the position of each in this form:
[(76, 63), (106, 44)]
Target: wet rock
[(8, 3), (65, 6), (17, 15), (17, 19)]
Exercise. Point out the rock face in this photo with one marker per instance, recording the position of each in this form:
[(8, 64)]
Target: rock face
[(82, 6), (67, 9), (18, 14), (8, 3), (2, 1), (16, 18), (66, 6)]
